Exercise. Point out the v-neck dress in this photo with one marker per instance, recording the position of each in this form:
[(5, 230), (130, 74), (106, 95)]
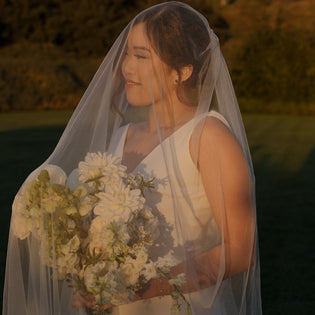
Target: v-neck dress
[(171, 160)]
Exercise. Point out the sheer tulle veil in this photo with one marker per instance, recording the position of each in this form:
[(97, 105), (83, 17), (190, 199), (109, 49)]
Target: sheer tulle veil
[(164, 75)]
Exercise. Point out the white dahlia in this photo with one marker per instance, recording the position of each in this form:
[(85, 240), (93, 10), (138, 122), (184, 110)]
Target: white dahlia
[(117, 202), (99, 169)]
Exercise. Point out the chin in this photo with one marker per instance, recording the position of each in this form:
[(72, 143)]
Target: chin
[(137, 102)]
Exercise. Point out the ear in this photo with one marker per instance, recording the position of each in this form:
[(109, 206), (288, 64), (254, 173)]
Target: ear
[(185, 72)]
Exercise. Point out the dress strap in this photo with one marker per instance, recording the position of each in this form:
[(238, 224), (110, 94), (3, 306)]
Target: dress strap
[(219, 116), (197, 119)]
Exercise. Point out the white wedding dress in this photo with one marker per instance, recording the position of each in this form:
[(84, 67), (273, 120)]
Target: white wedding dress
[(199, 223)]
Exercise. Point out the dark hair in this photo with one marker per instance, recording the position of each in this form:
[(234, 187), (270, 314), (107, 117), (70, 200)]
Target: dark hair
[(180, 37), (183, 42)]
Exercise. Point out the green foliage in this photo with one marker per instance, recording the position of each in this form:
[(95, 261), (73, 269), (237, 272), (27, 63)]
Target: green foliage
[(45, 77), (276, 65), (82, 26), (85, 27), (51, 49)]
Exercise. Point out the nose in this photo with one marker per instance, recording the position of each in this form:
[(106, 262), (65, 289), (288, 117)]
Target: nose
[(128, 66)]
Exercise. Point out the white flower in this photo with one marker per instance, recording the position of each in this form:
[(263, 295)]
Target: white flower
[(142, 257), (132, 268), (118, 202), (123, 296), (179, 280), (36, 218), (71, 210), (80, 191), (165, 263), (120, 238), (86, 205), (92, 275), (87, 201), (26, 214), (129, 272), (121, 231), (72, 246), (176, 308), (97, 225), (66, 265), (51, 201), (103, 281), (100, 236), (22, 226), (99, 169), (37, 197), (56, 174), (66, 258), (149, 271), (108, 238), (21, 220)]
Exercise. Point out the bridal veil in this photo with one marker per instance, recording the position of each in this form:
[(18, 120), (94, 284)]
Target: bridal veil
[(164, 72)]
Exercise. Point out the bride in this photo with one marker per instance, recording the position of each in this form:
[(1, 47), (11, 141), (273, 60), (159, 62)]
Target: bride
[(163, 102)]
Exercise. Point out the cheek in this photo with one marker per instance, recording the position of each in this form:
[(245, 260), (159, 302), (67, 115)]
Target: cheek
[(143, 73), (123, 65)]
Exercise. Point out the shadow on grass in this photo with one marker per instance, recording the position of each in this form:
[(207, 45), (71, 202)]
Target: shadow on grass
[(285, 207), (285, 204)]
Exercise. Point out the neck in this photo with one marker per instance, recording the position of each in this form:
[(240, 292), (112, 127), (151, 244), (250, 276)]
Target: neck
[(170, 116)]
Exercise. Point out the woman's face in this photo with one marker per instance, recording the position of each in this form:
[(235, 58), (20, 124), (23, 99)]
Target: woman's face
[(147, 78)]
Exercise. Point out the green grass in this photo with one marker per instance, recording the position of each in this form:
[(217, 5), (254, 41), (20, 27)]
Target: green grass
[(283, 152), (32, 119)]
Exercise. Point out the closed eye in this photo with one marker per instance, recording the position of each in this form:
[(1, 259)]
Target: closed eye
[(140, 56)]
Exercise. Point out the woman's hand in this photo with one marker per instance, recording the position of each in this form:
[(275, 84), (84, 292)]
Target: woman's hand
[(83, 299), (149, 291), (155, 287)]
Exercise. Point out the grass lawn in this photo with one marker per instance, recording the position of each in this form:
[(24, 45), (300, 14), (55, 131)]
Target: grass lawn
[(283, 152)]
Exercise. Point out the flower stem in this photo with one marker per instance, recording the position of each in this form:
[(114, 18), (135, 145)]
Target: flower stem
[(178, 290)]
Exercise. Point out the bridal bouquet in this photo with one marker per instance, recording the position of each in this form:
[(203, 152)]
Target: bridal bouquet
[(95, 229)]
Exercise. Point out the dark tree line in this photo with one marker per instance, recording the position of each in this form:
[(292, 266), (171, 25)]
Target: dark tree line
[(84, 27), (50, 49)]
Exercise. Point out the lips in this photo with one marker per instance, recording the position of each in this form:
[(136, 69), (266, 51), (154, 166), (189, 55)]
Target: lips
[(130, 83)]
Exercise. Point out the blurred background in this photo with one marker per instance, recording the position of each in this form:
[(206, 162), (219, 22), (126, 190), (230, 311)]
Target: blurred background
[(50, 49)]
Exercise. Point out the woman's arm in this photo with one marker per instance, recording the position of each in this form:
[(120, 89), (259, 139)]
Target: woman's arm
[(227, 183)]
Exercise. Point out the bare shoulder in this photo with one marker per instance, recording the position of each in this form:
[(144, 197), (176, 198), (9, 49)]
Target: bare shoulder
[(221, 156), (215, 135), (215, 127), (216, 143)]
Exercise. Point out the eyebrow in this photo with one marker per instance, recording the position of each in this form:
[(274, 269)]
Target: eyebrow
[(142, 47)]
